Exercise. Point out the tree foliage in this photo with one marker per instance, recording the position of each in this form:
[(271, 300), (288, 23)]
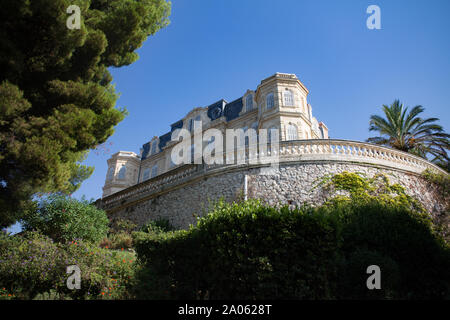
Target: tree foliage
[(407, 131), (66, 219), (56, 96)]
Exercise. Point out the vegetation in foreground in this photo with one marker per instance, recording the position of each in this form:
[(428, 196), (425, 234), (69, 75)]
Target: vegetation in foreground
[(241, 250)]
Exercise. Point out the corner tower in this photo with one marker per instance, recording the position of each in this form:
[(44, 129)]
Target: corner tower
[(123, 171)]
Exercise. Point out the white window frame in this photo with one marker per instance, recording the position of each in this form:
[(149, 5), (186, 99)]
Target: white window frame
[(288, 97), (291, 132)]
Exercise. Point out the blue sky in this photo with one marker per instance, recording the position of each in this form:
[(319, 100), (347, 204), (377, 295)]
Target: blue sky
[(216, 49)]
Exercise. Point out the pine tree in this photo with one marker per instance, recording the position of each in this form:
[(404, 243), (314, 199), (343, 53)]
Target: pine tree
[(56, 97)]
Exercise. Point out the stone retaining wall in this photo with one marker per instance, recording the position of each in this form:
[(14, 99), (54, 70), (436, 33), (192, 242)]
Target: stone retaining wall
[(291, 184)]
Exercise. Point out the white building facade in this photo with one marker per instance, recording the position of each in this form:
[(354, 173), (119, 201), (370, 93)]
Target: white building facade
[(279, 102)]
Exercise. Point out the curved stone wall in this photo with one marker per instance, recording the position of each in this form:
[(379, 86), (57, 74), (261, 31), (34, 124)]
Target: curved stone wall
[(188, 191)]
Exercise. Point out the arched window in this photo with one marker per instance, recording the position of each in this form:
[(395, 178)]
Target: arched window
[(154, 170), (122, 172), (110, 174), (269, 101), (249, 102), (146, 174), (288, 98), (292, 133)]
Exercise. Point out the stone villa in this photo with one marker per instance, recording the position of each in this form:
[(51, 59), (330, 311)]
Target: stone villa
[(149, 186), (279, 102)]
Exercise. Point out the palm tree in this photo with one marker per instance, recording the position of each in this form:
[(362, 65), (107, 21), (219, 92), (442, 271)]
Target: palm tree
[(408, 132)]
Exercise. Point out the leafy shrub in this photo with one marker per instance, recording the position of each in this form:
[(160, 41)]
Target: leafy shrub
[(441, 180), (157, 226), (250, 251), (413, 258), (122, 225), (64, 219), (33, 266), (121, 240), (242, 251)]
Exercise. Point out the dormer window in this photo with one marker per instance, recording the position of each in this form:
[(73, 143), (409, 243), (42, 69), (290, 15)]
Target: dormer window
[(249, 102), (269, 101), (154, 145), (288, 98)]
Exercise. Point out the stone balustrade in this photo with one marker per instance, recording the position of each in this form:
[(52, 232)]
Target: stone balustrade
[(320, 150)]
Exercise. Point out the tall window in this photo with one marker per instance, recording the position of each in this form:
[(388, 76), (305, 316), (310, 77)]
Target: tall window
[(269, 101), (154, 170), (122, 172), (269, 133), (110, 174), (146, 174), (288, 98), (292, 133), (246, 138), (249, 102)]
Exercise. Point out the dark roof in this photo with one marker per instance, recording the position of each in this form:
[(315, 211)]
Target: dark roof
[(176, 125), (164, 139), (215, 110), (232, 109), (145, 151)]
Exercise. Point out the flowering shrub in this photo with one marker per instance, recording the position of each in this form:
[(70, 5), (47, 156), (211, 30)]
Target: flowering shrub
[(34, 266), (64, 219)]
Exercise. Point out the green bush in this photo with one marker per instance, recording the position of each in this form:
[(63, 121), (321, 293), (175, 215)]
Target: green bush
[(65, 219), (242, 251), (34, 266), (250, 251), (414, 259), (157, 226)]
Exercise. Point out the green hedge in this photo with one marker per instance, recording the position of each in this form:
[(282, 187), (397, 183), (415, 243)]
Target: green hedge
[(250, 251)]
